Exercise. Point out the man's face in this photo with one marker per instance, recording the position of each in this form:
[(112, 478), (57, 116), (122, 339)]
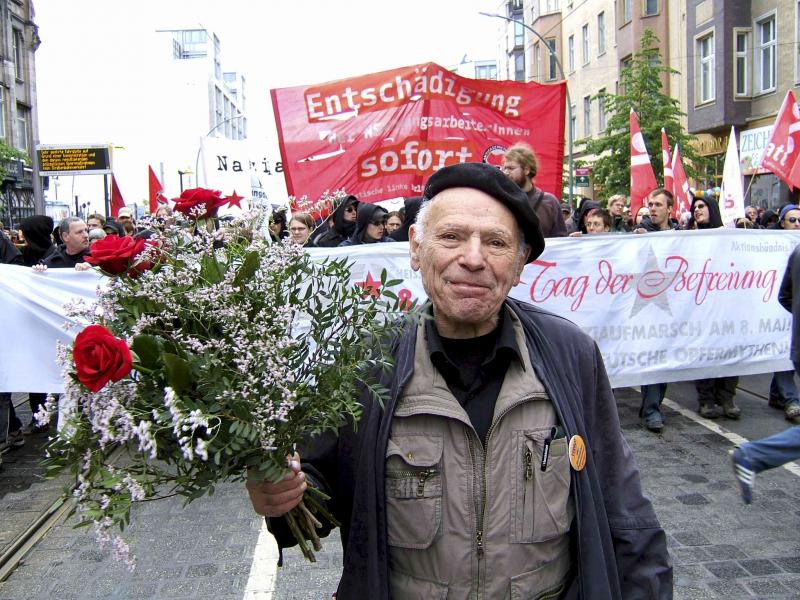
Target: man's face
[(127, 222), (393, 224), (350, 213), (514, 171), (791, 219), (616, 208), (594, 224), (469, 260), (701, 215), (77, 238), (93, 223), (659, 210), (751, 213)]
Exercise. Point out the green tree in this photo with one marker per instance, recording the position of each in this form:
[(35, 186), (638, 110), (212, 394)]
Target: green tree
[(7, 154), (640, 89)]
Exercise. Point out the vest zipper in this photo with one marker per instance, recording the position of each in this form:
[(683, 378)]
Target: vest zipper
[(481, 508)]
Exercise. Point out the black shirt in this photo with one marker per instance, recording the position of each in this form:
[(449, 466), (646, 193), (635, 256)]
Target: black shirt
[(474, 368)]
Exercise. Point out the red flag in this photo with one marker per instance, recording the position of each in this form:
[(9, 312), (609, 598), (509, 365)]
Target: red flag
[(156, 192), (643, 180), (683, 197), (783, 148), (667, 161), (116, 198)]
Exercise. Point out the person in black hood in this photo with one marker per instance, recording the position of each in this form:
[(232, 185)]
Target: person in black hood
[(111, 227), (705, 214), (412, 206), (583, 210), (9, 254), (370, 226), (38, 231), (341, 224)]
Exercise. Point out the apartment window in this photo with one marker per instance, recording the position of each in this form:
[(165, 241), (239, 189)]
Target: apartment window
[(705, 68), (537, 61), (571, 53), (22, 128), (650, 7), (2, 112), (585, 43), (486, 72), (741, 63), (519, 34), (627, 10), (19, 54), (519, 66), (601, 33), (192, 43), (552, 5), (601, 110), (551, 70), (765, 59), (587, 116)]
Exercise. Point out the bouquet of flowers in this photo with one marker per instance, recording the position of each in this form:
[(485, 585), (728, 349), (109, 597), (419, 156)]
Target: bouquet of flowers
[(200, 365)]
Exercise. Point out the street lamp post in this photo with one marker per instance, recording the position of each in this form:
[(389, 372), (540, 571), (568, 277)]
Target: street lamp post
[(183, 172), (569, 99)]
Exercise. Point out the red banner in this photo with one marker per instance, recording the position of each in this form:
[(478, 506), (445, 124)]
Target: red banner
[(382, 135)]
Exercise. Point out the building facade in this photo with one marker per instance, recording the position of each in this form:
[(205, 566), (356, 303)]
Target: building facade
[(734, 61), (20, 192)]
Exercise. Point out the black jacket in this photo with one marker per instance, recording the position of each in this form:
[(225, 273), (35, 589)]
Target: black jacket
[(9, 255), (341, 229), (412, 206), (366, 212), (789, 297), (648, 226), (59, 259), (38, 232), (621, 548)]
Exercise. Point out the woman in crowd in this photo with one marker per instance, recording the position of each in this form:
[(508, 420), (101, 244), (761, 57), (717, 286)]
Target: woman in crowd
[(301, 226), (277, 225), (370, 226)]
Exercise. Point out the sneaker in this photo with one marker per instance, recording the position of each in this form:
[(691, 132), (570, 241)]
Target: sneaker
[(709, 411), (13, 440), (654, 423), (730, 410), (744, 474), (775, 403), (32, 428), (792, 411)]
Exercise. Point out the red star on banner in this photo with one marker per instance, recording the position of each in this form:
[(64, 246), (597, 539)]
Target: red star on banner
[(371, 286), (234, 200)]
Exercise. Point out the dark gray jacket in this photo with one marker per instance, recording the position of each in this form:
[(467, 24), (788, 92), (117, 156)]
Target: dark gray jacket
[(789, 297), (619, 547)]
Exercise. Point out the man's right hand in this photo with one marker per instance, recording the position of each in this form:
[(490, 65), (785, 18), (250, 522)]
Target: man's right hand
[(276, 499)]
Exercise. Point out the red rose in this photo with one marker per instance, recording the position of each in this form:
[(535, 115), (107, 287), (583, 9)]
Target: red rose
[(115, 255), (100, 357), (208, 200)]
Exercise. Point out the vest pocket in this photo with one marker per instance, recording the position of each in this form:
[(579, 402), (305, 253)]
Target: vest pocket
[(414, 490), (545, 583), (542, 510), (402, 585)]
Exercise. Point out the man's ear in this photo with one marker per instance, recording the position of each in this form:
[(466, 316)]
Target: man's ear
[(413, 247), (521, 266)]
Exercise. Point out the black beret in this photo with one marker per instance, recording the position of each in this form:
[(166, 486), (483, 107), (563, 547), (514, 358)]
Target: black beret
[(489, 179)]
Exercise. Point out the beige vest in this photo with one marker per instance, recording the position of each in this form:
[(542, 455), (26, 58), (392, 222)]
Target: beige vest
[(468, 522)]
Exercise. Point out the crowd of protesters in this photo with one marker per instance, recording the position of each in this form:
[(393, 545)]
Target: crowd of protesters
[(40, 243)]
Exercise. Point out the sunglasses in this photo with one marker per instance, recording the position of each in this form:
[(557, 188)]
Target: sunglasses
[(792, 219), (381, 222), (350, 209)]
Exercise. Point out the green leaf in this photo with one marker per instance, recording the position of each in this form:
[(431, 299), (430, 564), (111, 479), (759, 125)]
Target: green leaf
[(248, 268), (148, 350), (178, 372), (210, 269)]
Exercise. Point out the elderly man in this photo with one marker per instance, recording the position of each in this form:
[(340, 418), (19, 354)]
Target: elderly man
[(497, 467)]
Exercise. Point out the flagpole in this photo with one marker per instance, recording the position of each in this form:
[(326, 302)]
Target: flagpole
[(566, 86), (105, 193)]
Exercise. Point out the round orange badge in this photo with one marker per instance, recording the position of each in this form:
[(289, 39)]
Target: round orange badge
[(577, 452)]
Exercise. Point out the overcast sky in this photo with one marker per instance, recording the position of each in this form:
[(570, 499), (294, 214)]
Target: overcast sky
[(89, 46)]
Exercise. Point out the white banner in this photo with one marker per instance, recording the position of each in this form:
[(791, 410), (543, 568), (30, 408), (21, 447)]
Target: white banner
[(256, 174), (672, 306)]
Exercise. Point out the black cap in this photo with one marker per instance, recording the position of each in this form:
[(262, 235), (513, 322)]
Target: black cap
[(489, 179)]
